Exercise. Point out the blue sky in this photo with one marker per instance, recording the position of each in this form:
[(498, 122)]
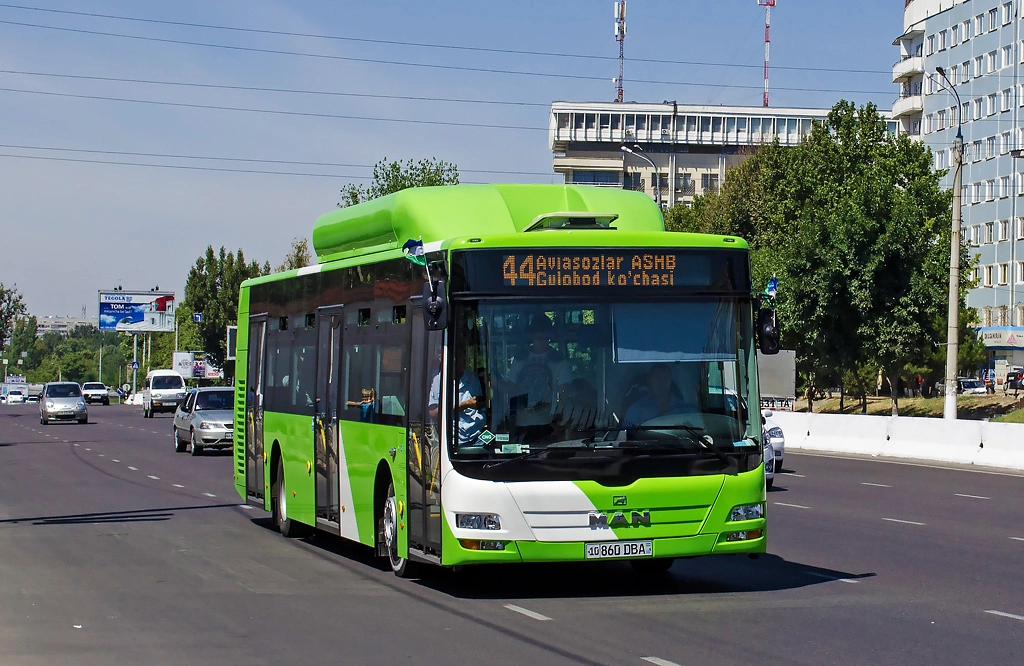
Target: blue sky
[(74, 102)]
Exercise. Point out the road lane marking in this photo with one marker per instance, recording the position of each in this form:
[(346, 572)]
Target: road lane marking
[(905, 522), (827, 577), (115, 460), (134, 469), (971, 496), (876, 485), (1017, 538), (102, 456), (77, 444), (177, 485), (799, 476), (209, 494), (245, 506), (1009, 615), (155, 478), (795, 506), (658, 661), (88, 449), (527, 612)]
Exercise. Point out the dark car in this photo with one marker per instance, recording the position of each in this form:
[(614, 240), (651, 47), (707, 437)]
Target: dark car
[(1013, 380)]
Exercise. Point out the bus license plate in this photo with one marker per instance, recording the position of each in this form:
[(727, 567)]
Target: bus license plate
[(619, 549)]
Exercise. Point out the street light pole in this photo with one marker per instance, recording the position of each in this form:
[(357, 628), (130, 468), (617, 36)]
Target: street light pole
[(953, 332), (639, 152)]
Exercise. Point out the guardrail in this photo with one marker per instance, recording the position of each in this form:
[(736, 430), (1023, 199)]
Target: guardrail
[(965, 442)]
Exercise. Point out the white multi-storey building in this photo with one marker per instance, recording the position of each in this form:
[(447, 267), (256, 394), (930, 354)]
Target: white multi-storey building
[(690, 147), (977, 43)]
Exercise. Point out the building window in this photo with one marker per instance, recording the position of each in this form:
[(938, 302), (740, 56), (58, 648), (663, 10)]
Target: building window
[(931, 45), (595, 177), (1004, 191), (941, 120), (1004, 271), (975, 192), (1004, 230), (1019, 278), (1004, 143), (940, 159), (979, 24), (989, 231), (979, 66), (966, 68), (976, 235), (1007, 99), (991, 61), (990, 147), (968, 29), (955, 35), (942, 40), (988, 283), (1007, 12), (1020, 227), (990, 192), (993, 19), (1007, 56)]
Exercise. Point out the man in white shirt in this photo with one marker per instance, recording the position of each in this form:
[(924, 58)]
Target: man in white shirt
[(468, 403)]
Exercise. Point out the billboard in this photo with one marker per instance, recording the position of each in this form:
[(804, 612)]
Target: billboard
[(137, 311), (193, 365)]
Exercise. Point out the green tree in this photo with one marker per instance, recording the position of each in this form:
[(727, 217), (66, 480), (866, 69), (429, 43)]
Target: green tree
[(390, 177), (12, 306), (298, 257), (212, 289)]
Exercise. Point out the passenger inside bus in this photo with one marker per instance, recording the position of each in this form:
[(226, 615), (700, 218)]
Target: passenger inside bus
[(657, 396)]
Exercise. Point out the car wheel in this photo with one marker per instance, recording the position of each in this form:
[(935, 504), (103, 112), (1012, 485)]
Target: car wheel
[(83, 420), (195, 449), (768, 483), (42, 421), (106, 401), (388, 532), (145, 411), (778, 466), (179, 446)]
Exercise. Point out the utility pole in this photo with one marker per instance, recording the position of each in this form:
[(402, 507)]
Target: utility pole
[(953, 323), (767, 4), (620, 37)]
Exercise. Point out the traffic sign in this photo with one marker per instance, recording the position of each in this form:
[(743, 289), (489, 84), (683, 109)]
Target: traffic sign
[(135, 365), (197, 317)]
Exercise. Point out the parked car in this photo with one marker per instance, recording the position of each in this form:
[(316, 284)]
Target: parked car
[(1013, 380), (96, 392), (15, 397), (32, 399), (205, 419), (62, 401), (163, 391), (969, 386), (769, 463), (775, 435)]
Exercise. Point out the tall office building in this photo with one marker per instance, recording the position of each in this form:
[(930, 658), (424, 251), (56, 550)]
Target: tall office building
[(977, 43)]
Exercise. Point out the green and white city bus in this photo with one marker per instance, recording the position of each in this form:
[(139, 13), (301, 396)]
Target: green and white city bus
[(506, 373)]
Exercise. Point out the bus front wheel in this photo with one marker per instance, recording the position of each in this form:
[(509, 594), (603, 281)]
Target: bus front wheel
[(279, 507), (388, 531)]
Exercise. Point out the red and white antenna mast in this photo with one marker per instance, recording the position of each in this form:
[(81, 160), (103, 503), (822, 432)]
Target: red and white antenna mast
[(767, 4), (620, 37)]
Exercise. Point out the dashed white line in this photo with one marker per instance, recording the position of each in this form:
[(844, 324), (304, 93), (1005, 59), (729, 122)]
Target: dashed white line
[(876, 485), (904, 522), (1017, 538), (209, 494), (155, 478), (527, 612), (795, 506), (971, 496), (1009, 615), (245, 506), (77, 444), (658, 661), (799, 476), (88, 449), (115, 460), (827, 577), (102, 455), (134, 469), (177, 485)]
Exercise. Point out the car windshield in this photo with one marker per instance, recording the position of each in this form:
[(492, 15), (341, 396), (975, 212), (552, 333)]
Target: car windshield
[(973, 383), (16, 392), (605, 376), (215, 399), (93, 386), (168, 382), (63, 391)]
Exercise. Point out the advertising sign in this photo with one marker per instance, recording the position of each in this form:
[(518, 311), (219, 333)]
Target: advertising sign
[(137, 312), (193, 365)]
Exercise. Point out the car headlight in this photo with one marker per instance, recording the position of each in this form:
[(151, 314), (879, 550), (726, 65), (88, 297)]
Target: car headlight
[(478, 521), (81, 403), (775, 433), (747, 512), (49, 405), (205, 425)]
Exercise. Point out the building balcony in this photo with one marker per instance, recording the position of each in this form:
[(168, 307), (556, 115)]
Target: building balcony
[(908, 105), (907, 67)]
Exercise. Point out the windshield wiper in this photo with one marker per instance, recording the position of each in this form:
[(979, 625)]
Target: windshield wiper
[(697, 435), (534, 454)]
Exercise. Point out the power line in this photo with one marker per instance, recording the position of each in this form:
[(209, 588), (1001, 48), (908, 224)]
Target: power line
[(375, 61), (453, 47), (244, 159), (307, 114), (332, 93)]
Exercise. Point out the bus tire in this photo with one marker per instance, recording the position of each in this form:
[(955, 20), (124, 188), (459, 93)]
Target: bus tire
[(652, 566), (279, 506), (388, 531)]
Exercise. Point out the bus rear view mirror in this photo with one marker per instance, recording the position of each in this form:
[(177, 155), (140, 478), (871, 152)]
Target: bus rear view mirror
[(435, 305), (767, 331)]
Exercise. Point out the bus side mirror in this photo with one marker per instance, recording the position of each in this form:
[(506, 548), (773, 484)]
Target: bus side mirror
[(435, 305), (767, 331)]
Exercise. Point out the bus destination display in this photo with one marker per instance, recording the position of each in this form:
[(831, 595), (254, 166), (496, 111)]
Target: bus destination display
[(593, 269)]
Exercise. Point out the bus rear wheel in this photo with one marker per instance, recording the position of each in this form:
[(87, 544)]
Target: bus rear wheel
[(288, 528), (388, 531)]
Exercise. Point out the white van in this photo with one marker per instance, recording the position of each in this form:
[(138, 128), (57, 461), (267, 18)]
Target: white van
[(163, 392)]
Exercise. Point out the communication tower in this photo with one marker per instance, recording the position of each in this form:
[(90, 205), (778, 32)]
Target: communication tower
[(767, 4), (620, 37)]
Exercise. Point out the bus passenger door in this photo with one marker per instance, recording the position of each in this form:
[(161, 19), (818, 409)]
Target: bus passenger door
[(254, 481), (325, 419), (423, 445)]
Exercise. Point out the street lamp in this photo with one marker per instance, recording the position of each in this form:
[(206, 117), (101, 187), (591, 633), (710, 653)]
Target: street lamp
[(639, 152), (952, 335)]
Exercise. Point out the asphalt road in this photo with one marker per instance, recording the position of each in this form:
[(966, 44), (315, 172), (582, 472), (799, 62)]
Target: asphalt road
[(116, 550)]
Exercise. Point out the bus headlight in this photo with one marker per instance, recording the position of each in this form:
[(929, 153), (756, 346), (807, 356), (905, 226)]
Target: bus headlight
[(747, 512), (477, 521)]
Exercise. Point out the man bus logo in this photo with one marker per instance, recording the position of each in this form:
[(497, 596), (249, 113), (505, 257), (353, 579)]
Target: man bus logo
[(618, 500), (618, 519)]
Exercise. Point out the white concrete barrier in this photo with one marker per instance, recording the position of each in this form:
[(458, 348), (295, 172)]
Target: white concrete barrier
[(914, 438)]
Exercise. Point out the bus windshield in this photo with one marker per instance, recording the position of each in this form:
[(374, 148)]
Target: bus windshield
[(664, 378)]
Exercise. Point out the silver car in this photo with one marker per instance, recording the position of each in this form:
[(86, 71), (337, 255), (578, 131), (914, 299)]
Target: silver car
[(62, 401), (205, 419)]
